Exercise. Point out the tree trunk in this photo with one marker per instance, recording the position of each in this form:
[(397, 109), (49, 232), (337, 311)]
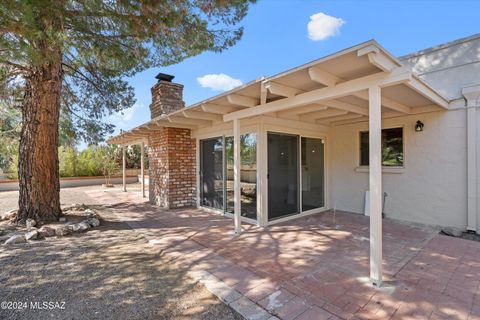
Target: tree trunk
[(38, 168)]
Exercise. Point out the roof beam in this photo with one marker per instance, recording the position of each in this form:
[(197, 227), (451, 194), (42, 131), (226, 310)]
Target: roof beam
[(348, 116), (428, 92), (388, 103), (191, 114), (318, 75), (263, 92), (312, 116), (167, 124), (346, 107), (300, 110), (216, 108), (182, 120), (243, 101), (317, 96), (377, 58), (152, 126), (282, 90), (349, 121), (294, 124)]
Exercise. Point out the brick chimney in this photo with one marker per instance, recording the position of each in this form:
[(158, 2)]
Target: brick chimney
[(166, 96), (171, 151)]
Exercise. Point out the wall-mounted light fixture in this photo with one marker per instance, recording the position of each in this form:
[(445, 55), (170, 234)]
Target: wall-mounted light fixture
[(419, 126)]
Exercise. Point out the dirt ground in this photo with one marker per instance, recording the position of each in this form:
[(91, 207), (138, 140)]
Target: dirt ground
[(106, 273)]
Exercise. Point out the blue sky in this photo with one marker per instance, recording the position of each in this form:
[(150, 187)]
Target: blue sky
[(276, 38)]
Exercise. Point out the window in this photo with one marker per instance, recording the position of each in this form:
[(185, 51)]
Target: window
[(392, 147)]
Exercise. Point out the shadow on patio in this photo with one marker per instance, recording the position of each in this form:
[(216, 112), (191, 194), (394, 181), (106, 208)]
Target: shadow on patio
[(317, 266)]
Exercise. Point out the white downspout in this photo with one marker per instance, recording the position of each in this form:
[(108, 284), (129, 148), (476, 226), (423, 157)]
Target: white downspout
[(472, 95)]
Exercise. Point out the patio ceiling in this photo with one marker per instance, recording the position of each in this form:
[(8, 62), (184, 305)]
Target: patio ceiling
[(329, 91)]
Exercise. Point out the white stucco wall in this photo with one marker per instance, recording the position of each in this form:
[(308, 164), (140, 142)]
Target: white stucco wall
[(432, 188)]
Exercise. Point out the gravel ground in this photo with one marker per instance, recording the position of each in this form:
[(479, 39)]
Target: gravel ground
[(106, 273)]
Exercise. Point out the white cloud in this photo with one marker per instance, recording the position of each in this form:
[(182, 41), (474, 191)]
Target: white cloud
[(122, 118), (322, 26), (219, 82)]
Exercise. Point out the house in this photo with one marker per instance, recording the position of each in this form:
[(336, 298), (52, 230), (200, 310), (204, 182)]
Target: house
[(359, 130)]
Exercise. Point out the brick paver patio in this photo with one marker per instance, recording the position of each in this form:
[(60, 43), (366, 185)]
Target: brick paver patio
[(316, 267)]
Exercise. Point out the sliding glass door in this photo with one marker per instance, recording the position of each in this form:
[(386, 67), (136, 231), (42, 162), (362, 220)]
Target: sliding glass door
[(296, 175), (216, 174), (313, 176), (283, 178), (211, 173), (248, 175)]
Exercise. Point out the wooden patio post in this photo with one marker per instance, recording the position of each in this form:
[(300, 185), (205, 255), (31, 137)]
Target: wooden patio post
[(236, 176), (124, 164), (375, 164), (142, 168)]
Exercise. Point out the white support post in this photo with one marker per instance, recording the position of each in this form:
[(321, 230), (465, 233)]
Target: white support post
[(124, 165), (236, 176), (375, 163), (472, 95), (142, 167), (471, 168)]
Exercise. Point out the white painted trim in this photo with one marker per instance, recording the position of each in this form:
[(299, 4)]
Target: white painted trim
[(395, 170), (237, 186), (381, 79), (375, 183)]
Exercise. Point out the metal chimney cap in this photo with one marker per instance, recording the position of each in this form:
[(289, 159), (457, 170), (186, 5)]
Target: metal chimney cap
[(164, 77)]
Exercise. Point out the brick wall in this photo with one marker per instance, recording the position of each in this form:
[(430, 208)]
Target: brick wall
[(166, 98), (172, 168)]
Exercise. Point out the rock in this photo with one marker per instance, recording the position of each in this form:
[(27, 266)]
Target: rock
[(90, 213), (6, 237), (93, 222), (8, 215), (30, 223), (79, 227), (46, 231), (62, 231), (62, 219), (8, 226), (31, 235), (18, 238)]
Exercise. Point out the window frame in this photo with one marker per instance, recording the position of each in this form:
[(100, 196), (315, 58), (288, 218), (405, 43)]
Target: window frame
[(359, 144)]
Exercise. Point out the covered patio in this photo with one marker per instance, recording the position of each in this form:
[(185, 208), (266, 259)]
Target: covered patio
[(363, 83), (314, 267)]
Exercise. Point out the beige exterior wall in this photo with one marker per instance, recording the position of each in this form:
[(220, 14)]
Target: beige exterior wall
[(430, 189)]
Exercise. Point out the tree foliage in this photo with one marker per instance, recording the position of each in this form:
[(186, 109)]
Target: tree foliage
[(100, 43)]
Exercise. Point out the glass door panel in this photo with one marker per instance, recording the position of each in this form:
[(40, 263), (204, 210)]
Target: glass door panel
[(248, 175), (282, 175), (313, 191), (211, 173)]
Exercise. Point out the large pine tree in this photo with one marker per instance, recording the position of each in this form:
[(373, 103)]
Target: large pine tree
[(74, 56)]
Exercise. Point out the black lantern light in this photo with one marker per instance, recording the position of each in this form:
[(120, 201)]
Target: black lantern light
[(419, 126)]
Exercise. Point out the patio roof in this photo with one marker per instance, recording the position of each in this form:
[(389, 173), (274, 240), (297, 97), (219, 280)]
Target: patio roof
[(330, 91)]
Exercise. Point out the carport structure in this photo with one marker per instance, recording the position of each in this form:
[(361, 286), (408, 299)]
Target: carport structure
[(359, 84)]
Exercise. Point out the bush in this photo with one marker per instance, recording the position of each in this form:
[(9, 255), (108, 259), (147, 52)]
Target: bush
[(99, 160)]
